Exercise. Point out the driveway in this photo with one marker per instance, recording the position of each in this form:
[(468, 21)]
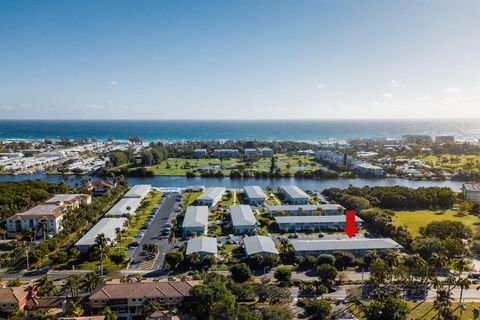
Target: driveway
[(165, 214)]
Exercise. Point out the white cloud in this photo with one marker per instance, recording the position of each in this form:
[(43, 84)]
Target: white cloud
[(113, 83), (396, 84), (453, 91), (467, 59), (320, 86), (387, 96)]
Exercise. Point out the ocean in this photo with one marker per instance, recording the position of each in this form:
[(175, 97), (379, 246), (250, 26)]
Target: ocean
[(297, 130)]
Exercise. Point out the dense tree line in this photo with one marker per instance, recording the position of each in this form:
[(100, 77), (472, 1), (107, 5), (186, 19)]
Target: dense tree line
[(18, 196), (394, 197)]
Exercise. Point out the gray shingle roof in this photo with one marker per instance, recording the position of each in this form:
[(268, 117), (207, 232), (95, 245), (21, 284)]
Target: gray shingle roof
[(196, 216), (313, 219), (259, 244), (242, 216), (255, 192), (202, 244), (294, 192), (345, 244)]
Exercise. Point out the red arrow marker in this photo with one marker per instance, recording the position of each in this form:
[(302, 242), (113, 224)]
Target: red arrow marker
[(350, 226)]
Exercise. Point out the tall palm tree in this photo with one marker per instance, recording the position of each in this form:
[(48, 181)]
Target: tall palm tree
[(118, 234), (73, 284), (464, 284), (460, 265), (42, 226), (443, 304), (100, 249), (29, 235), (91, 281)]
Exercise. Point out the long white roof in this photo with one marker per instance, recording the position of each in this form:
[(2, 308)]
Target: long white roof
[(294, 192), (211, 194), (259, 244), (196, 216), (202, 244), (305, 207), (120, 208), (242, 216), (255, 192), (138, 191), (345, 244), (314, 219), (106, 226)]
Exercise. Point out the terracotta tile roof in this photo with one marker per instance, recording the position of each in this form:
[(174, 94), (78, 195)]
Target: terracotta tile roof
[(116, 290), (14, 294)]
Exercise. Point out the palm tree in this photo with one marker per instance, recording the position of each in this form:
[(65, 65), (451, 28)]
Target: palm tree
[(150, 307), (464, 284), (42, 315), (29, 235), (150, 248), (460, 265), (109, 314), (475, 313), (73, 309), (443, 304), (45, 287), (100, 249), (118, 234), (73, 284), (42, 226), (91, 281), (285, 246)]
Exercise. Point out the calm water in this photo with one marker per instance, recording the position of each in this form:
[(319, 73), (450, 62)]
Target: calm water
[(300, 130), (179, 182)]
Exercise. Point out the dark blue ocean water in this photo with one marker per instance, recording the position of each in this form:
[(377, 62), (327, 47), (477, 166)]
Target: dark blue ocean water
[(300, 130)]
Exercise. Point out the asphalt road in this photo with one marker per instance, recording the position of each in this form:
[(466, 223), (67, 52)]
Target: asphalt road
[(165, 214)]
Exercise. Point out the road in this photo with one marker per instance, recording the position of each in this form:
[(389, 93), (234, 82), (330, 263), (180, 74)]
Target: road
[(165, 214)]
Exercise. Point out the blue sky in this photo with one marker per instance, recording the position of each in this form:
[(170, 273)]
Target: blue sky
[(244, 59)]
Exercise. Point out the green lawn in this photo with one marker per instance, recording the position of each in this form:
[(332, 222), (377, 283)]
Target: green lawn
[(180, 166), (413, 220), (189, 198), (422, 310)]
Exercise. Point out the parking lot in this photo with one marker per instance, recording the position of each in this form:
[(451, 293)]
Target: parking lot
[(156, 231)]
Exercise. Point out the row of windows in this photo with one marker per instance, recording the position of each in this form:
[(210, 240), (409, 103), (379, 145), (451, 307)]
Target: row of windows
[(141, 299)]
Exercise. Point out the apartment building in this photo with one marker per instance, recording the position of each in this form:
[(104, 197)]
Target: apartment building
[(357, 247), (254, 195), (306, 209), (211, 196), (294, 195), (471, 192), (126, 299), (301, 223), (243, 220), (225, 153), (200, 153), (266, 152), (51, 211), (195, 220), (204, 246), (261, 245)]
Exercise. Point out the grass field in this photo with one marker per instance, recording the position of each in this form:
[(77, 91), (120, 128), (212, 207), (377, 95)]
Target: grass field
[(422, 310), (451, 162), (413, 220), (189, 198), (180, 166)]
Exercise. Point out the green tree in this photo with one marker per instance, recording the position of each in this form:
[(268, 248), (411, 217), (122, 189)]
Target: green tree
[(318, 309), (385, 305), (240, 272), (327, 274), (109, 314), (283, 274), (73, 309), (276, 313), (72, 285), (214, 301)]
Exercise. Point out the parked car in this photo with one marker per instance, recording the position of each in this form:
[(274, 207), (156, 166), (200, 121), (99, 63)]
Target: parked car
[(293, 236), (321, 235), (474, 275)]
